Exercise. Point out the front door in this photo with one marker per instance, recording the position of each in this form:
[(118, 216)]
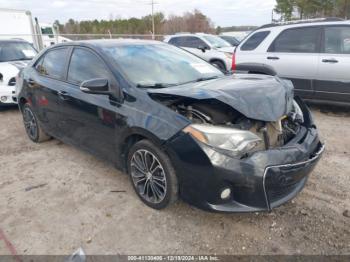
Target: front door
[(193, 44), (88, 120)]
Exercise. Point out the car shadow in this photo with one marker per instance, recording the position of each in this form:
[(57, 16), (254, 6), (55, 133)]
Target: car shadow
[(334, 109), (8, 108)]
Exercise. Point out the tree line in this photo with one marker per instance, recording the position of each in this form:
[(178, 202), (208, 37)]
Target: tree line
[(196, 21), (192, 22), (307, 9)]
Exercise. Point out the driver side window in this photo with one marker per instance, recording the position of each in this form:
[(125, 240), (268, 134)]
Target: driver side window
[(85, 65), (194, 42)]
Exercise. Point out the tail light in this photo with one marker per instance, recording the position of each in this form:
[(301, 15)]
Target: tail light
[(234, 61)]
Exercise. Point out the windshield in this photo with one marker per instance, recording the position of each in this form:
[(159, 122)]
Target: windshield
[(232, 40), (46, 30), (216, 41), (12, 51), (160, 65)]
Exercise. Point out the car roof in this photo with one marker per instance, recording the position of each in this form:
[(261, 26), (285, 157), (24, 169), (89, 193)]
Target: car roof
[(101, 43), (231, 36), (304, 23), (188, 34)]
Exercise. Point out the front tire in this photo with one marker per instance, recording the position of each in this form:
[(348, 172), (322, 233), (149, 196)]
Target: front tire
[(152, 175), (32, 125)]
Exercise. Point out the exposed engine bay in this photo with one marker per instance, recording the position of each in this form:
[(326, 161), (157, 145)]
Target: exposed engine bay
[(217, 113)]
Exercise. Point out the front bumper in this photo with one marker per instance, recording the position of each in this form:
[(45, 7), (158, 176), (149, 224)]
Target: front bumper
[(260, 182), (7, 95)]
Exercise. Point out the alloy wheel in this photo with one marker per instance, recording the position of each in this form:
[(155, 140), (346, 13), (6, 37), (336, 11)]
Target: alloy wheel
[(30, 123), (148, 176)]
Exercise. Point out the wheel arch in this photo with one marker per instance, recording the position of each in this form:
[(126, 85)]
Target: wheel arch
[(21, 102), (212, 60), (256, 68), (135, 135)]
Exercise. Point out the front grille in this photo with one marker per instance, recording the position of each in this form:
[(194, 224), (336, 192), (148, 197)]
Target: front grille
[(286, 180)]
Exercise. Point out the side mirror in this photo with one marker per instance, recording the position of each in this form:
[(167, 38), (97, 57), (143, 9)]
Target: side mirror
[(203, 48), (95, 86)]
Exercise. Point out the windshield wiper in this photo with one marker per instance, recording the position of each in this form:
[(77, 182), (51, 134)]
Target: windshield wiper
[(199, 80), (155, 85), (206, 78), (164, 85)]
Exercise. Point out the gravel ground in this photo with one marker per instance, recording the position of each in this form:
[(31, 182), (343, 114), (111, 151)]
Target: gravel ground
[(74, 206)]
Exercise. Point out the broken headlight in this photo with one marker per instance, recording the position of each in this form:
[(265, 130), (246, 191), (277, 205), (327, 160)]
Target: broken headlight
[(229, 141), (297, 114)]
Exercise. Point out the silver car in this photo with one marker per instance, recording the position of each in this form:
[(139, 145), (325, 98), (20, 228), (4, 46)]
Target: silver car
[(314, 54), (211, 48)]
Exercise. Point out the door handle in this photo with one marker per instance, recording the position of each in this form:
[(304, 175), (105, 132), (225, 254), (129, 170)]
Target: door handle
[(331, 61), (63, 95), (273, 58)]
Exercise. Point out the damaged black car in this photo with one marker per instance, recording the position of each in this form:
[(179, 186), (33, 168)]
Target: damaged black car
[(177, 125)]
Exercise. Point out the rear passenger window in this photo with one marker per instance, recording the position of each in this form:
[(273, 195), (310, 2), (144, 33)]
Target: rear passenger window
[(85, 65), (193, 42), (337, 40), (254, 41), (53, 63), (297, 40)]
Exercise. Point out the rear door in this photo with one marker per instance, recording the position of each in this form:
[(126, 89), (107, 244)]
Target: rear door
[(44, 84), (333, 78), (88, 120), (294, 54)]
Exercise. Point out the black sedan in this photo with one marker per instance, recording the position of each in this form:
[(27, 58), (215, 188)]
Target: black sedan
[(177, 125)]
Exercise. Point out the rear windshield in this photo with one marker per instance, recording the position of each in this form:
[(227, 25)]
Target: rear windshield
[(254, 40)]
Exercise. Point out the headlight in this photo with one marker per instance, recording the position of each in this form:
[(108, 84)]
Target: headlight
[(230, 141), (297, 112)]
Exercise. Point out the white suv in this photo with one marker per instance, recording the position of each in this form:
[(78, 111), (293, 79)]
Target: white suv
[(315, 55), (211, 48)]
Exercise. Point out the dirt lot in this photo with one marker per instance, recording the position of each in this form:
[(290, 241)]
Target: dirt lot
[(74, 206)]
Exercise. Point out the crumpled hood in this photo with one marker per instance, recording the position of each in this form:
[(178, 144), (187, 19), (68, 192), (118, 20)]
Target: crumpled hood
[(258, 97)]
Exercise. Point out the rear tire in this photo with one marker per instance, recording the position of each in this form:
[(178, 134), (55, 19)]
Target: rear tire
[(32, 125), (152, 175)]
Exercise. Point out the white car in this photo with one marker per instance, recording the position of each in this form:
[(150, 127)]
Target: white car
[(211, 48), (14, 55), (313, 54)]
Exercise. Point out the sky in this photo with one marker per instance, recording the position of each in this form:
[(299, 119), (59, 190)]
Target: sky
[(221, 12)]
